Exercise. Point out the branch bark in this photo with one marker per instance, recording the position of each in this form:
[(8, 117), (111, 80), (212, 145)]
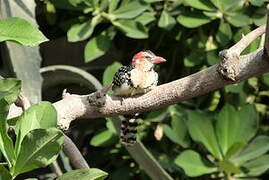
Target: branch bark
[(77, 107)]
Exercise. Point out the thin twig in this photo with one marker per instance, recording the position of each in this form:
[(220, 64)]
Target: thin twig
[(76, 158), (247, 39)]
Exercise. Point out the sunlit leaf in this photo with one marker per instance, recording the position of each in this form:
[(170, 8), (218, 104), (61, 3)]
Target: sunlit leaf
[(39, 148), (132, 29), (110, 72), (6, 144), (130, 10), (39, 116), (193, 164), (12, 87), (201, 4), (257, 166), (201, 130), (224, 34), (97, 47), (166, 21), (79, 32), (84, 174), (20, 31), (258, 147), (103, 138), (239, 20), (193, 19)]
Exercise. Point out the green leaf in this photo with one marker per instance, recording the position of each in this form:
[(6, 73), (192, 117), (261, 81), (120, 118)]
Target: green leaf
[(112, 5), (12, 87), (79, 32), (39, 148), (224, 34), (130, 10), (229, 167), (201, 4), (145, 18), (257, 166), (193, 60), (193, 19), (20, 31), (166, 21), (4, 173), (258, 147), (157, 116), (193, 164), (201, 130), (6, 144), (132, 29), (258, 2), (233, 126), (212, 57), (239, 20), (84, 174), (234, 149), (97, 47), (39, 116), (178, 132), (104, 138), (110, 72)]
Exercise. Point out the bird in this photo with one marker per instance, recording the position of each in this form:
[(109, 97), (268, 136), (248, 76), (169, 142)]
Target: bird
[(135, 79)]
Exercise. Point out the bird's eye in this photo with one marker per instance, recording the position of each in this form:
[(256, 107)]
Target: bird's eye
[(148, 57)]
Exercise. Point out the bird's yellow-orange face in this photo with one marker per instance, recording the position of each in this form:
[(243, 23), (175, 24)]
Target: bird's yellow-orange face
[(145, 60)]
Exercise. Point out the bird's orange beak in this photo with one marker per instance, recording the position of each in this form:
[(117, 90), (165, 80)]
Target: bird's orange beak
[(157, 60)]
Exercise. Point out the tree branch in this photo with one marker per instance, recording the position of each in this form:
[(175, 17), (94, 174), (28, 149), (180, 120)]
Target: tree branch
[(266, 44), (77, 107)]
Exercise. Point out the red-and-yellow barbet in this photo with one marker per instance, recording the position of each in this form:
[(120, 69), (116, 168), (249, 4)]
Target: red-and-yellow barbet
[(137, 78)]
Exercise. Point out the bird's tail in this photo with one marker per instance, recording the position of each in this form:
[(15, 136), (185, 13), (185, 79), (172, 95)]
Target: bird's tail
[(129, 130)]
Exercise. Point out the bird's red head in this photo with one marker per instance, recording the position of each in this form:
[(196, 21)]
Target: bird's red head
[(146, 59)]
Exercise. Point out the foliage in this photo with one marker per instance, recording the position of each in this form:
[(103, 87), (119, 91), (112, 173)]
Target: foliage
[(222, 134), (19, 31), (38, 141)]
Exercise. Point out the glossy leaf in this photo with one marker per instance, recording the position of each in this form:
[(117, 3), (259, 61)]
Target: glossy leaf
[(39, 116), (236, 147), (12, 87), (79, 32), (132, 29), (258, 147), (201, 4), (239, 20), (229, 167), (193, 164), (257, 166), (201, 130), (178, 132), (110, 72), (20, 31), (84, 174), (103, 138), (113, 5), (6, 144), (235, 126), (97, 47), (224, 34), (145, 18), (39, 148), (4, 173), (193, 19), (130, 10), (166, 21)]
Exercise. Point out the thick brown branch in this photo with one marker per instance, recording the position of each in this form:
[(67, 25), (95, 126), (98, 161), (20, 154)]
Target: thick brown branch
[(77, 107)]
